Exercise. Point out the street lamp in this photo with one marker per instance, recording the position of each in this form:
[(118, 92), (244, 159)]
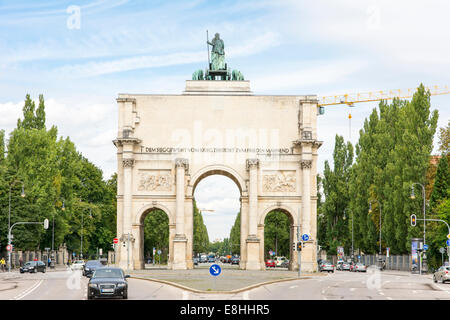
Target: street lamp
[(413, 196), (370, 211), (352, 231), (82, 226), (22, 194)]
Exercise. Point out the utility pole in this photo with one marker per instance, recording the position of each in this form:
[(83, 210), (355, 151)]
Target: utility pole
[(299, 253)]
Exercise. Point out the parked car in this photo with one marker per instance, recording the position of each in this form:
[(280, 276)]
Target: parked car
[(91, 266), (203, 259), (107, 282), (339, 265), (33, 267), (442, 274), (195, 261), (235, 260), (279, 261), (211, 259), (345, 266), (326, 266), (285, 264), (77, 265), (270, 263), (359, 267)]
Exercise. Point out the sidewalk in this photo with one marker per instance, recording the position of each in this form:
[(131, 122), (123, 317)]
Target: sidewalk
[(230, 280)]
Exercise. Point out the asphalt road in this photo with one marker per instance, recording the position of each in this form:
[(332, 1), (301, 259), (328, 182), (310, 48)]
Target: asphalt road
[(341, 285)]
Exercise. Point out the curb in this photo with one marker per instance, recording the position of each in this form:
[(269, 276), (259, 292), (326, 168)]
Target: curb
[(220, 292)]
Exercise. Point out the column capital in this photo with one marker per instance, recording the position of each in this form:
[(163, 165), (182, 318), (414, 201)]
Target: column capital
[(252, 163), (306, 164), (128, 163), (182, 162)]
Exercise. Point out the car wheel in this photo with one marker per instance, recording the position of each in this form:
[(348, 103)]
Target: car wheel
[(43, 270), (125, 295), (434, 279), (34, 270)]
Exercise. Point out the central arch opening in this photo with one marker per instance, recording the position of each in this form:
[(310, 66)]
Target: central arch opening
[(217, 206)]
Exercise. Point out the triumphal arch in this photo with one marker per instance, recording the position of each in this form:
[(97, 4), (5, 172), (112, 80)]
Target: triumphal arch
[(166, 144)]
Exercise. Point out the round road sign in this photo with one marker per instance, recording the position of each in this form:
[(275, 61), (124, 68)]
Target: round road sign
[(305, 237), (116, 240), (9, 247), (215, 270), (448, 242), (441, 250)]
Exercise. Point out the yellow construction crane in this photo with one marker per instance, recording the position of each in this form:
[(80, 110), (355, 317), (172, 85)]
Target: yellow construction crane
[(351, 99)]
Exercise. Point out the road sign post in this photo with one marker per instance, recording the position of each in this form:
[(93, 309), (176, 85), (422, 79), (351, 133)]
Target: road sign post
[(215, 270)]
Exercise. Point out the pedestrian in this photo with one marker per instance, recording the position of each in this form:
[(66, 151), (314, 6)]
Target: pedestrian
[(49, 261), (3, 263), (20, 262)]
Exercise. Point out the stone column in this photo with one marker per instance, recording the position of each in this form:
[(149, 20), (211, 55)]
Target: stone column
[(126, 256), (306, 195), (253, 242), (180, 240)]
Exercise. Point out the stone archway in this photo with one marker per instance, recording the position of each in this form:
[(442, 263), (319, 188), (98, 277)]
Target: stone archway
[(234, 176), (138, 233), (292, 231), (167, 143)]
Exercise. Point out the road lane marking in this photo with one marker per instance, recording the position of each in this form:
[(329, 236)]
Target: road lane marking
[(28, 291), (185, 295), (389, 298), (352, 289), (245, 296), (292, 287)]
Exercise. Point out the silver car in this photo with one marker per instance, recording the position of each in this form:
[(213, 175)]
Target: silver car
[(359, 267), (326, 266), (442, 274)]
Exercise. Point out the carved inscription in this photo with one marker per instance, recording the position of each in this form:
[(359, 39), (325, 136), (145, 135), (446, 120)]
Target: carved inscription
[(279, 181), (155, 180)]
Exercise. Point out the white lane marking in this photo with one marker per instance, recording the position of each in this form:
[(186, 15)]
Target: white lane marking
[(245, 296), (28, 291), (352, 289), (382, 293), (389, 298), (292, 287), (185, 295), (414, 291)]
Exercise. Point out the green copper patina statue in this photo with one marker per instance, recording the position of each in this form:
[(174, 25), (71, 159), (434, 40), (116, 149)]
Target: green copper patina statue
[(217, 53), (217, 68)]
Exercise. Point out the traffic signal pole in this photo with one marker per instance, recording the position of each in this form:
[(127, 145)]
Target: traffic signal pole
[(299, 253)]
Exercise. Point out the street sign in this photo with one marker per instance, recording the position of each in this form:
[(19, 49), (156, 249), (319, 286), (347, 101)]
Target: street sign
[(46, 224), (116, 240), (441, 250), (215, 270), (159, 251), (448, 236), (448, 242), (387, 252), (9, 247), (425, 247), (100, 251), (305, 237)]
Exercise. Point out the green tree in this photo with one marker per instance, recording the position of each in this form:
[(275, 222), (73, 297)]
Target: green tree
[(277, 233), (156, 234)]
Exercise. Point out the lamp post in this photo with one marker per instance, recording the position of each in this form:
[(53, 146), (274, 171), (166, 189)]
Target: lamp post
[(82, 227), (370, 211), (22, 194), (413, 196), (345, 210)]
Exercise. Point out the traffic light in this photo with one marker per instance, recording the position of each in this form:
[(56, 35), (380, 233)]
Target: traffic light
[(299, 246), (46, 224), (294, 246), (413, 220)]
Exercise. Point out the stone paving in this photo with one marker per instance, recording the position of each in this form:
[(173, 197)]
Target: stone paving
[(231, 279)]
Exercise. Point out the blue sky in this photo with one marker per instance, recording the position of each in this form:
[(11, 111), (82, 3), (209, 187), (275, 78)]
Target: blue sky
[(283, 47)]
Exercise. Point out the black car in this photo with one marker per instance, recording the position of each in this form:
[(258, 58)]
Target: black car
[(235, 260), (33, 267), (107, 282), (91, 266)]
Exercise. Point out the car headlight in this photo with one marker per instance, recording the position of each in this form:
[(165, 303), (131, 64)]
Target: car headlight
[(93, 285), (121, 285)]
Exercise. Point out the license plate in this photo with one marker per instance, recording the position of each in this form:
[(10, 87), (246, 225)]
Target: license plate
[(107, 290)]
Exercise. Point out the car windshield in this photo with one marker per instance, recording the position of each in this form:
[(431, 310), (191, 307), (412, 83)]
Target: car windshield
[(31, 263), (108, 273), (93, 263), (79, 262)]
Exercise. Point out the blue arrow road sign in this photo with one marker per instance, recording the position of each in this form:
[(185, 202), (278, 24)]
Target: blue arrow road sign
[(305, 237), (215, 270), (425, 247), (448, 242)]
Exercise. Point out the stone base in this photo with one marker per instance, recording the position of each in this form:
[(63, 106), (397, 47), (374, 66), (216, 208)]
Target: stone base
[(253, 262), (179, 253)]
